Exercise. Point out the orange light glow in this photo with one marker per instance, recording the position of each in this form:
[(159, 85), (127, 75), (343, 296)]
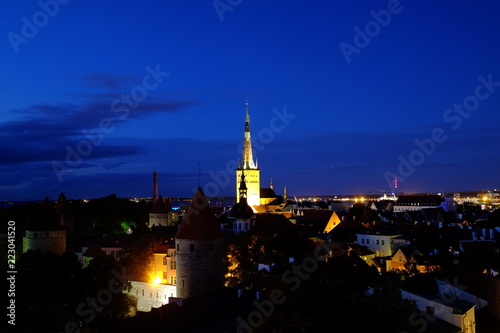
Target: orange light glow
[(157, 280)]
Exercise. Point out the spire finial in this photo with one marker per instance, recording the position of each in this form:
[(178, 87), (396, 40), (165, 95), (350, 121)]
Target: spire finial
[(247, 117)]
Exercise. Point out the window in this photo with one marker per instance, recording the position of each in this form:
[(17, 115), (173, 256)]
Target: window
[(191, 247), (173, 264), (362, 240), (112, 254), (378, 242), (183, 283), (368, 241), (177, 247), (165, 260), (165, 275), (382, 242)]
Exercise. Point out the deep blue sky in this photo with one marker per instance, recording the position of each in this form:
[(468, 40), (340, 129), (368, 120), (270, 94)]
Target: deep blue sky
[(349, 123)]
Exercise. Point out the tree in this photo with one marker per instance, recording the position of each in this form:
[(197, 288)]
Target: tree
[(137, 254), (264, 243)]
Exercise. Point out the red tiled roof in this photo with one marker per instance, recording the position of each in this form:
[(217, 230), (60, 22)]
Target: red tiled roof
[(199, 223), (94, 251), (419, 200)]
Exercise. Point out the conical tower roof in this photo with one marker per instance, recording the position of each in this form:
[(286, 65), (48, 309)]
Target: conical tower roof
[(161, 206), (62, 208), (45, 218), (199, 223)]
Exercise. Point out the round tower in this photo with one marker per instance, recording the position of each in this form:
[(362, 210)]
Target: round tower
[(45, 231), (199, 250)]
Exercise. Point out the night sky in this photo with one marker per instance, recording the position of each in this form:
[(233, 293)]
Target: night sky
[(343, 96)]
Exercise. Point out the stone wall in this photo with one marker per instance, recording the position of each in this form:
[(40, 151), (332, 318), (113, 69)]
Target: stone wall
[(200, 266), (150, 295), (45, 241)]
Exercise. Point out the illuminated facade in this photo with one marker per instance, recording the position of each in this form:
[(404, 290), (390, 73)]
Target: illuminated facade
[(249, 168)]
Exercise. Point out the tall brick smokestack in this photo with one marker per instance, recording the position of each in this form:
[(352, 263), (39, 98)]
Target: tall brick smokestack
[(155, 186)]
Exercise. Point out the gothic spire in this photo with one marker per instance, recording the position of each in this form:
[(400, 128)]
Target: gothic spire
[(247, 162)]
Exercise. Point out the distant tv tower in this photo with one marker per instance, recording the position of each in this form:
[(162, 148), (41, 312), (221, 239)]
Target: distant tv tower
[(395, 185)]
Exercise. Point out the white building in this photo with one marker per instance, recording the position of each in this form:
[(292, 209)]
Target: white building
[(380, 244), (446, 307)]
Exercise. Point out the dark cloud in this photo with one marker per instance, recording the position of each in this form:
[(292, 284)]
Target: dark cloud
[(43, 132), (108, 80)]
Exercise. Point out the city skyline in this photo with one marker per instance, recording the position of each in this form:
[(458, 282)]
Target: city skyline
[(342, 97)]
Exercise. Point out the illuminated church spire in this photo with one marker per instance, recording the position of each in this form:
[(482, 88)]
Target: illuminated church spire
[(249, 168), (248, 162)]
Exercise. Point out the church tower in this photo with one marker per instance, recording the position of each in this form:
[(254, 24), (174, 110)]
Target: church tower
[(249, 168), (199, 250), (241, 213)]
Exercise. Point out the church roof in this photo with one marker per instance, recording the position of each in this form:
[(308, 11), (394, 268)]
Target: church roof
[(45, 218), (267, 193), (199, 223)]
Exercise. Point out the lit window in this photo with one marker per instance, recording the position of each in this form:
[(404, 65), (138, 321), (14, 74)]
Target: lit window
[(165, 260), (173, 264)]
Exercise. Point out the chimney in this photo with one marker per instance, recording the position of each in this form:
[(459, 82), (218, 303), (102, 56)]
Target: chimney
[(155, 186)]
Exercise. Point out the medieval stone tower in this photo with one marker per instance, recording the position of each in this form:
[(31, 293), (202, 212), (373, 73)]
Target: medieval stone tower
[(45, 231), (199, 250)]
